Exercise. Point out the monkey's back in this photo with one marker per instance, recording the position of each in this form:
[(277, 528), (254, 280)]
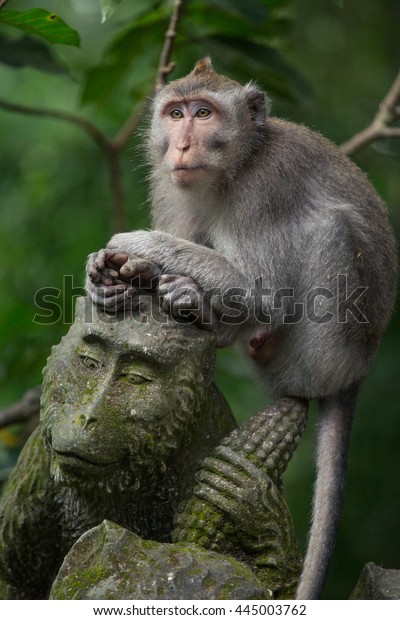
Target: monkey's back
[(328, 237)]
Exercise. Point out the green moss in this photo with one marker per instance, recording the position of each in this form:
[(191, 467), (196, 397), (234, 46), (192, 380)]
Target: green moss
[(92, 575)]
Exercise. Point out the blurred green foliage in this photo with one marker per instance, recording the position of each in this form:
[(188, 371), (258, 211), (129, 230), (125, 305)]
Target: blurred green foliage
[(325, 64)]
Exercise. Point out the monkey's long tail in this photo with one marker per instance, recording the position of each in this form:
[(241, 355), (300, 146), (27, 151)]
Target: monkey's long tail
[(336, 416)]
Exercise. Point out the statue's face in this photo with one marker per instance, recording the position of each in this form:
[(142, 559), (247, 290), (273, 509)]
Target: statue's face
[(117, 392)]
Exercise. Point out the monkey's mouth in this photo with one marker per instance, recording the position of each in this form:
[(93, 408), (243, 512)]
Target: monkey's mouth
[(189, 168), (74, 463), (183, 174)]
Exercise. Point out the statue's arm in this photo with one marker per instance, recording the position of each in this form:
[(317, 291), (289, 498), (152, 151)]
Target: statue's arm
[(28, 536)]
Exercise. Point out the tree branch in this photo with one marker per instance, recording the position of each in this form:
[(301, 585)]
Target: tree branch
[(381, 126), (165, 66), (91, 129), (23, 409), (3, 4), (109, 149)]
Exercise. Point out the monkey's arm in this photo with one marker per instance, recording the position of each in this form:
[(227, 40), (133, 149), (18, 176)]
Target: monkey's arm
[(207, 267), (193, 280), (28, 536)]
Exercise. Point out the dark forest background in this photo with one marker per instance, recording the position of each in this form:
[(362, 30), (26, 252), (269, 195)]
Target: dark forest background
[(326, 64)]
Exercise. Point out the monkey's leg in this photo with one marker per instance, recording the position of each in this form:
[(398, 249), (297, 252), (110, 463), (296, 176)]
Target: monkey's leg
[(336, 417)]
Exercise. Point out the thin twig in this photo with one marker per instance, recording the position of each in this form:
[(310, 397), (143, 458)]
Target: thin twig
[(23, 409), (3, 4), (381, 126), (165, 66)]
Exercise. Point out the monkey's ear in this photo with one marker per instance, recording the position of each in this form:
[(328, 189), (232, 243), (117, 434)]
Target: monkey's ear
[(204, 65), (258, 103)]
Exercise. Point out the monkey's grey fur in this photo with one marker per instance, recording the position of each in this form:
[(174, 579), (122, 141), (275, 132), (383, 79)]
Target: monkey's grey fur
[(283, 204)]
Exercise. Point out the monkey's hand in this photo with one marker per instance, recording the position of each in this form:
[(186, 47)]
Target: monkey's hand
[(208, 268), (114, 278), (181, 296)]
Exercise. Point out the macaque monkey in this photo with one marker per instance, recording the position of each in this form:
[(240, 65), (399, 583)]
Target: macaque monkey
[(265, 233)]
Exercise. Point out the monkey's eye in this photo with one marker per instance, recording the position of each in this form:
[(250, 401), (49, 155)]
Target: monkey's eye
[(90, 362), (176, 114), (203, 113), (134, 377)]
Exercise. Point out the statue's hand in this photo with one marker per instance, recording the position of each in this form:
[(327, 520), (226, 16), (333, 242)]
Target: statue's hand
[(245, 494)]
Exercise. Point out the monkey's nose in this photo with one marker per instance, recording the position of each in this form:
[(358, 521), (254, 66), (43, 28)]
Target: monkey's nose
[(183, 146)]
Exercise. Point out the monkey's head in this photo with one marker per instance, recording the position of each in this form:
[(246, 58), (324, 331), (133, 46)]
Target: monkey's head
[(121, 396), (205, 124)]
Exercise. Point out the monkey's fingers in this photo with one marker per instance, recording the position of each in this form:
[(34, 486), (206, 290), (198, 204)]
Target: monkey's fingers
[(100, 258), (190, 307), (141, 272), (91, 269), (113, 291), (103, 266), (109, 277), (180, 305), (182, 297), (117, 260), (112, 297)]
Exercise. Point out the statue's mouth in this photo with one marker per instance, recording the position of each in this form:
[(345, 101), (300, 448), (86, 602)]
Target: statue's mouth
[(70, 461)]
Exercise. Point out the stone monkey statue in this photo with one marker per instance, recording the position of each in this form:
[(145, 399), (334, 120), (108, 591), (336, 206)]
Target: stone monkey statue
[(267, 234), (129, 410)]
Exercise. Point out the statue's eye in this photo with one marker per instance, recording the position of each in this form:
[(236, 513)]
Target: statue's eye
[(176, 114), (90, 362), (203, 113), (134, 378)]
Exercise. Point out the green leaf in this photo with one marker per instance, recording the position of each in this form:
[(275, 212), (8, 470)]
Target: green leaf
[(199, 21), (246, 58), (339, 3), (253, 11), (29, 52), (133, 52), (42, 23), (108, 7)]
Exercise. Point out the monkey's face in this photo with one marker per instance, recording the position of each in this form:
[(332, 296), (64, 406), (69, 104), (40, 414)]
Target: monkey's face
[(198, 134), (195, 137), (118, 400)]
